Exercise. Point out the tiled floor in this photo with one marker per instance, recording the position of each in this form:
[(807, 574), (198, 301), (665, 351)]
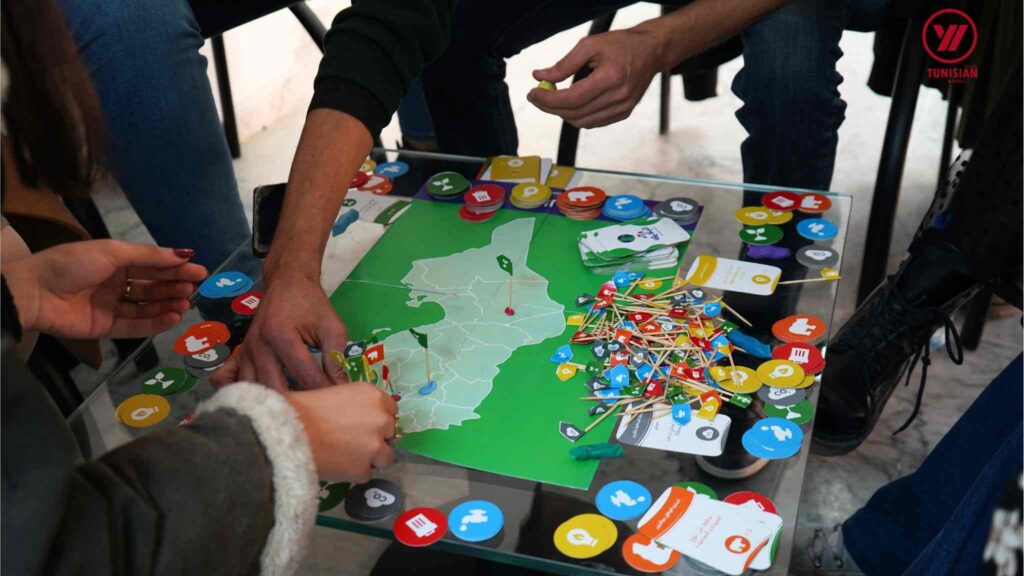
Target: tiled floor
[(704, 142)]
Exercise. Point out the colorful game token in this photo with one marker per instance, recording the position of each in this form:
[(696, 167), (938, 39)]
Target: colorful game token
[(469, 216), (799, 328), (806, 356), (420, 527), (565, 371), (529, 195), (225, 285), (246, 304), (210, 358), (585, 536), (373, 500), (358, 180), (143, 410), (781, 200), (808, 381), (813, 203), (447, 185), (200, 337), (546, 85), (167, 381), (484, 199), (752, 500), (623, 500), (392, 169), (330, 495), (377, 184), (799, 413), (682, 210), (742, 380), (816, 229), (780, 374), (773, 438), (646, 555), (476, 521), (575, 319), (698, 488), (368, 165), (761, 235), (581, 203), (781, 396), (817, 256), (757, 216), (624, 207), (653, 284), (569, 432), (682, 413)]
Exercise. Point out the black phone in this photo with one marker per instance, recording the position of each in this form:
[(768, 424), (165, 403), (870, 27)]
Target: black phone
[(267, 202)]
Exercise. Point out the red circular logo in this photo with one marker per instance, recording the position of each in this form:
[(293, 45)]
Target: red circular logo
[(246, 304), (949, 36), (420, 527)]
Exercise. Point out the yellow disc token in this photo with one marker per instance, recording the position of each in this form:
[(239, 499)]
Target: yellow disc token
[(575, 320), (367, 166), (143, 410), (650, 284), (585, 536), (808, 381), (755, 215), (778, 217), (565, 371), (742, 381), (781, 373), (530, 194)]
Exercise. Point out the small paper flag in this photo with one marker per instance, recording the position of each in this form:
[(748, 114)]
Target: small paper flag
[(505, 263)]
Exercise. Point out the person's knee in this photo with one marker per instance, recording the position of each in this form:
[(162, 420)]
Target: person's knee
[(142, 29)]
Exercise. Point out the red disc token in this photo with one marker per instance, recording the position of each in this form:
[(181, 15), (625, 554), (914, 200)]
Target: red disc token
[(247, 303), (384, 188), (485, 195), (781, 200), (812, 203), (374, 182), (800, 328), (646, 555), (420, 527), (752, 500), (469, 216), (358, 180), (200, 337), (808, 357)]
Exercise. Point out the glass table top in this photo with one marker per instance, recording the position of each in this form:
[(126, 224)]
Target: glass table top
[(532, 510)]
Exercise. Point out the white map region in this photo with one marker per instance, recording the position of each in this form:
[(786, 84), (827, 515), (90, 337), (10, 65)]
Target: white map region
[(475, 336)]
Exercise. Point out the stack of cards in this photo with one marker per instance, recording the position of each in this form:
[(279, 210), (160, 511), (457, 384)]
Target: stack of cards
[(582, 203), (644, 244), (482, 202), (528, 196), (625, 207)]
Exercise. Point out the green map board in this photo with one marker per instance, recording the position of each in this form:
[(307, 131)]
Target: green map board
[(498, 402)]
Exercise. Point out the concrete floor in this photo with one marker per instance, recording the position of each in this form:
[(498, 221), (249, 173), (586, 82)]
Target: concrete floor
[(704, 142)]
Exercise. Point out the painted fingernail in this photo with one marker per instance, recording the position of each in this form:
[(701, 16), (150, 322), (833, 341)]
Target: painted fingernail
[(184, 252)]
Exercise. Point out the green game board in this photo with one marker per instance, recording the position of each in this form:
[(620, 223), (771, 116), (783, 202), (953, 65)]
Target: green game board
[(498, 402)]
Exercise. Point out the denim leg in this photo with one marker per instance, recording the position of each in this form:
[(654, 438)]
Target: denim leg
[(936, 520), (789, 88), (465, 87), (167, 149)]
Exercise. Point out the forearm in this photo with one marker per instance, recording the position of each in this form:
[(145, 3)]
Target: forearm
[(702, 24), (330, 151)]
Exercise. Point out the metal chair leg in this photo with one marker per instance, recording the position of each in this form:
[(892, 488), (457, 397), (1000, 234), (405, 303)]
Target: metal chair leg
[(894, 155), (953, 95), (227, 104), (314, 27), (569, 137), (666, 95)]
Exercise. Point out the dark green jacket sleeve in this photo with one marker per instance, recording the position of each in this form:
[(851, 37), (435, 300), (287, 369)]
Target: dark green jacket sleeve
[(374, 51)]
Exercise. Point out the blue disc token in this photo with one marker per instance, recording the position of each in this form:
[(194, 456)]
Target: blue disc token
[(681, 413), (624, 207), (816, 229), (563, 354), (427, 388), (475, 521), (623, 500), (773, 438), (392, 169), (225, 285)]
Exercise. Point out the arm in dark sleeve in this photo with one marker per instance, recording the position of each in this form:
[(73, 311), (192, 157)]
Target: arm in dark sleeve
[(374, 51)]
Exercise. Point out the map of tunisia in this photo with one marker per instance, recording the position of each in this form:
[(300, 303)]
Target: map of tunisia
[(475, 336)]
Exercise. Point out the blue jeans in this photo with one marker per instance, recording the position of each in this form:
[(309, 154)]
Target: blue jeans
[(789, 84), (167, 149), (937, 520)]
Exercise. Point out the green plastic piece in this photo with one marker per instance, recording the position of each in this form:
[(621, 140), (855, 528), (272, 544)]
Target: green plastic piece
[(741, 400), (595, 451), (545, 85)]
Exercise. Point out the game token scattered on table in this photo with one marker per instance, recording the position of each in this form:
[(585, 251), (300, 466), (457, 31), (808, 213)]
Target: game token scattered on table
[(246, 304), (377, 184), (752, 500), (167, 381), (202, 336), (816, 229), (420, 527), (373, 500), (773, 438), (683, 210), (585, 536), (358, 180), (476, 521), (646, 555), (225, 285), (482, 202), (758, 215), (581, 203), (625, 207), (817, 256), (781, 200), (392, 169), (330, 495), (623, 500), (529, 195), (143, 410), (813, 203), (699, 488), (761, 235), (799, 328), (446, 185)]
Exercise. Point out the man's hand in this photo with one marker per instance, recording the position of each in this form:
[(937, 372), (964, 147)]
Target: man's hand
[(624, 62), (349, 428), (293, 314)]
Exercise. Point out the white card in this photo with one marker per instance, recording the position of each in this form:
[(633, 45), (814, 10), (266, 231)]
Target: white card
[(698, 436), (735, 275)]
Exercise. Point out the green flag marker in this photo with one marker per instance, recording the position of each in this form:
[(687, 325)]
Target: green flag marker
[(505, 263), (420, 337)]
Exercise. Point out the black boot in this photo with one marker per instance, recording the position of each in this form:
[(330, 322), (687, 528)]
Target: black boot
[(970, 237)]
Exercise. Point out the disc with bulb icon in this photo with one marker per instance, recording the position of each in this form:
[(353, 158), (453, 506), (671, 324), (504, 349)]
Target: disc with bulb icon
[(585, 536), (143, 410)]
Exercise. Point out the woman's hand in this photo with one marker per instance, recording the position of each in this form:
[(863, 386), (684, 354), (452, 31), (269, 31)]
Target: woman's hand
[(102, 289)]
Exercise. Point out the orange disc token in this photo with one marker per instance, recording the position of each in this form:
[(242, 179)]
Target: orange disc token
[(200, 337), (646, 555), (376, 182), (800, 328), (583, 196)]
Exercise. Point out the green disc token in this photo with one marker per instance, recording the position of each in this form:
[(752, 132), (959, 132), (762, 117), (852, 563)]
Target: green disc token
[(331, 495), (741, 400), (799, 413), (447, 184), (167, 381), (698, 488), (761, 235)]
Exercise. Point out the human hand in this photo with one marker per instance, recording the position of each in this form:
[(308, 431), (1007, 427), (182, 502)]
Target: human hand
[(349, 428), (623, 63), (81, 289), (293, 314)]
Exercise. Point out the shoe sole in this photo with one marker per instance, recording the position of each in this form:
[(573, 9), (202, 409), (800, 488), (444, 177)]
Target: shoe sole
[(828, 447)]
